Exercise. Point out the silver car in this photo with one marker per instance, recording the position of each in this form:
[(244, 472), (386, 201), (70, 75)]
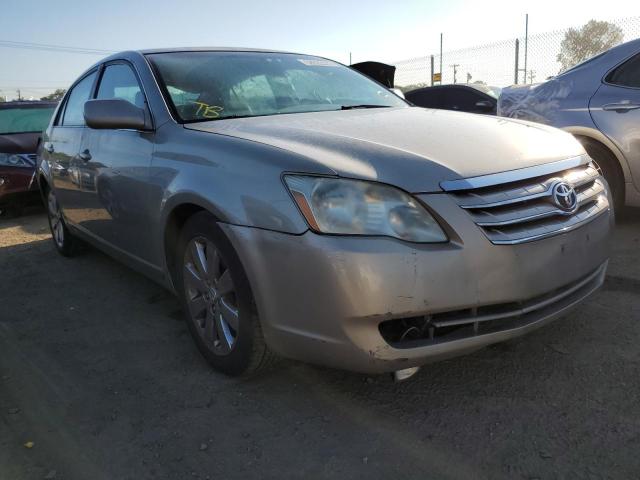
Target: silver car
[(299, 209), (599, 102)]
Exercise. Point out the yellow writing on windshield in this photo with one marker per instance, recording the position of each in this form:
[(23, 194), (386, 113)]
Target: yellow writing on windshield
[(208, 111)]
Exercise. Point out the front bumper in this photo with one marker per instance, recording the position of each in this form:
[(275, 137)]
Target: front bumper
[(322, 299), (18, 186)]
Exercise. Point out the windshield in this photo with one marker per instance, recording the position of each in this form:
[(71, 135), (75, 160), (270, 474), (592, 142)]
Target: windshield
[(216, 85), (25, 119)]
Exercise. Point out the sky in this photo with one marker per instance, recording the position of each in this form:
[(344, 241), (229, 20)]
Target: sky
[(386, 31)]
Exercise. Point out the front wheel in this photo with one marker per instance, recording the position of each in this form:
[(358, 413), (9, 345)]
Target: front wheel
[(217, 299), (63, 240)]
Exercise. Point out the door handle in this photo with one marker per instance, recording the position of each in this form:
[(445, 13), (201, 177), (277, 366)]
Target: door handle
[(620, 107), (48, 147), (85, 155)]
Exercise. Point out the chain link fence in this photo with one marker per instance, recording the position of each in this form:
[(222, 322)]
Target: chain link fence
[(500, 63)]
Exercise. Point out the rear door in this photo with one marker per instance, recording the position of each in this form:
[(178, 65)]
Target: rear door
[(63, 146), (116, 200), (615, 109)]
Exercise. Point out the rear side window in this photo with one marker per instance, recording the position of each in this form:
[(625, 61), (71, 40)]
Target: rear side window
[(119, 81), (74, 110), (627, 74)]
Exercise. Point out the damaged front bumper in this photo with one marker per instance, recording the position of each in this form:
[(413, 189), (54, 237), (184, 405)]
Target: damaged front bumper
[(379, 304)]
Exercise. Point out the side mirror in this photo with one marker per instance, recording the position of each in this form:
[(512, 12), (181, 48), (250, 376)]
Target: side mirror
[(114, 114), (484, 106)]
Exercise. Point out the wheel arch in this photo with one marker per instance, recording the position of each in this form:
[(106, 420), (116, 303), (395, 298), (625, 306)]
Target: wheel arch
[(177, 211), (597, 136)]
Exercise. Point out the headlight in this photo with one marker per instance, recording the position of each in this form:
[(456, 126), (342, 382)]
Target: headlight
[(8, 160), (353, 207)]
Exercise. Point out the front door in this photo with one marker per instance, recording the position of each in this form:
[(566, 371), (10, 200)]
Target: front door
[(615, 109), (116, 165)]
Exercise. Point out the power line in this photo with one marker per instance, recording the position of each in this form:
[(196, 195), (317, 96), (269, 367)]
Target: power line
[(52, 48)]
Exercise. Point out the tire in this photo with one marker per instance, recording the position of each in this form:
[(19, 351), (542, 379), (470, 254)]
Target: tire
[(10, 211), (64, 241), (217, 300), (610, 169)]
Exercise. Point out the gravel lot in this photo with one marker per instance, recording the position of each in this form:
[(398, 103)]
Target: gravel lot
[(97, 369)]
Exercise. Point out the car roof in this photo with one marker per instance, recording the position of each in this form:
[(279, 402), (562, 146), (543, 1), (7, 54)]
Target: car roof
[(207, 49), (606, 60), (448, 85), (130, 54)]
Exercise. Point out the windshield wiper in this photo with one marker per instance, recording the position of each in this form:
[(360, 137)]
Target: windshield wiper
[(364, 105)]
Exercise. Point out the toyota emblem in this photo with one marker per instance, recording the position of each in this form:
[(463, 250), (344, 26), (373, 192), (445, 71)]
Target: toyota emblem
[(564, 196)]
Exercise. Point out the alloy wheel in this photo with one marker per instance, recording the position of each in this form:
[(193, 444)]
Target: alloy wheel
[(211, 296), (55, 219)]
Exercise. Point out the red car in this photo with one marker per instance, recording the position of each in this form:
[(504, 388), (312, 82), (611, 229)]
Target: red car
[(21, 126)]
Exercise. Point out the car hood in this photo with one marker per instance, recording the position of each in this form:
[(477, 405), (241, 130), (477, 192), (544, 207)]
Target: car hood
[(19, 142), (412, 148)]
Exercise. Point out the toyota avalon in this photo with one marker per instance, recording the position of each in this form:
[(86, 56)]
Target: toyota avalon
[(300, 209)]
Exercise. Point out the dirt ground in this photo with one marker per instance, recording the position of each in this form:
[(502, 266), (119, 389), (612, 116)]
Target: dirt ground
[(97, 369)]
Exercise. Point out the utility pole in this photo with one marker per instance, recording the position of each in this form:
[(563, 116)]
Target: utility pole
[(526, 44), (432, 72), (441, 58), (455, 71), (349, 58), (526, 52), (19, 97), (517, 70)]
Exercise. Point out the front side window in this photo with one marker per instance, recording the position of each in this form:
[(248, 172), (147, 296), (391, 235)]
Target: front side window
[(74, 110), (25, 119), (627, 74), (217, 85), (119, 81)]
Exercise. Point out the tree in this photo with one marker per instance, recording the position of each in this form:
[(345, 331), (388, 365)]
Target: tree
[(594, 37), (56, 95)]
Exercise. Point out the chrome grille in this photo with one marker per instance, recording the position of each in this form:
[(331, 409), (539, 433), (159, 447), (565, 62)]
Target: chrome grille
[(523, 210)]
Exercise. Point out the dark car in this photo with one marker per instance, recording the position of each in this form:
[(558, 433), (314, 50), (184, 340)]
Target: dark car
[(21, 126), (471, 97)]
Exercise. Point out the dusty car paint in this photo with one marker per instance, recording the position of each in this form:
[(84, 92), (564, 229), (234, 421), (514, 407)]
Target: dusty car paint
[(322, 298)]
